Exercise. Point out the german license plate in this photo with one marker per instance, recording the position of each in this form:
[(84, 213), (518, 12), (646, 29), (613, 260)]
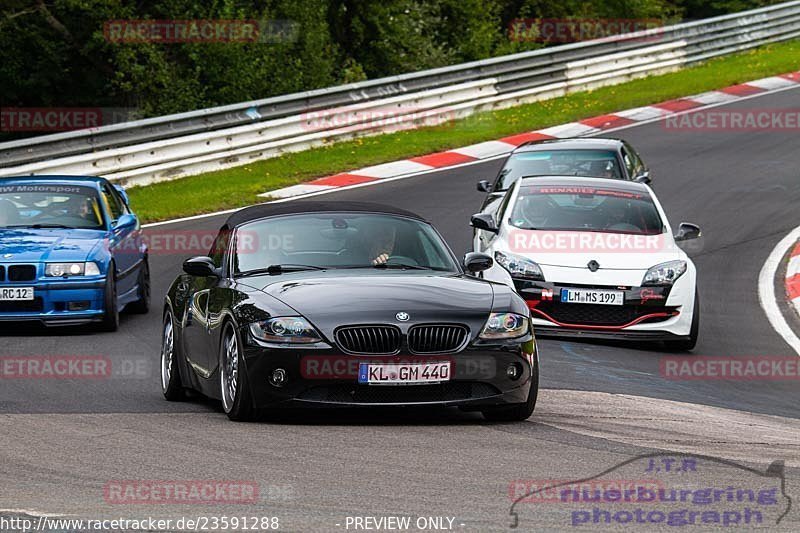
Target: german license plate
[(16, 293), (592, 296), (403, 374)]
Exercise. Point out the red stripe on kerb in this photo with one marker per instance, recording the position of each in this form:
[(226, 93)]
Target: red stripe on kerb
[(793, 287), (342, 180), (443, 159), (605, 122), (678, 105), (742, 90), (794, 76), (520, 138)]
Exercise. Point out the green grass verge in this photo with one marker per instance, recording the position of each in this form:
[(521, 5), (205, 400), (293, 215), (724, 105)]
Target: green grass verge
[(239, 186)]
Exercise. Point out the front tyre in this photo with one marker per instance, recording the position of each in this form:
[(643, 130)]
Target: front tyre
[(171, 385), (521, 411), (234, 386), (110, 321), (142, 305)]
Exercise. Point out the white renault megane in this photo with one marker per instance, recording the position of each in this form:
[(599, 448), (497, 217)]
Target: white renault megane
[(593, 258)]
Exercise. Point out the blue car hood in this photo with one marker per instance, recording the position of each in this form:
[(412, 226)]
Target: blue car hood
[(33, 246)]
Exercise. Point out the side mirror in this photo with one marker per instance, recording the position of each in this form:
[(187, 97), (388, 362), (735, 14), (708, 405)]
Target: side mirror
[(124, 222), (484, 221), (687, 232), (121, 190), (484, 186), (644, 177), (475, 262), (201, 266)]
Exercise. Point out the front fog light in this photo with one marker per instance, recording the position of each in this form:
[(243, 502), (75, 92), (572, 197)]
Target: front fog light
[(514, 371), (278, 377)]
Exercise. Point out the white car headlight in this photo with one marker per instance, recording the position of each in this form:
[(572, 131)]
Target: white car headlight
[(63, 270), (92, 269), (664, 273), (519, 267), (505, 326), (295, 329)]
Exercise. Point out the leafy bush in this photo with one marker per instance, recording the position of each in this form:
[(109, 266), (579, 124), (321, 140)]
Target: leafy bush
[(55, 54)]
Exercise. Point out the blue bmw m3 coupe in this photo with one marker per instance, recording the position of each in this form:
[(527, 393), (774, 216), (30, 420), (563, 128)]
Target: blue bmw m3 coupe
[(71, 252)]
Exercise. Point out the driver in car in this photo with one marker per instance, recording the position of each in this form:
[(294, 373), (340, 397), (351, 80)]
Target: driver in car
[(381, 241), (603, 169), (535, 212), (79, 207)]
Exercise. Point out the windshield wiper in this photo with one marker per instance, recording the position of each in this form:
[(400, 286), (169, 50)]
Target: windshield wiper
[(401, 266), (278, 269), (40, 226)]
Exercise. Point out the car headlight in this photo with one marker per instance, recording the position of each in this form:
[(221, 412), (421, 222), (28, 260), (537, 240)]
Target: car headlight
[(519, 267), (285, 329), (505, 326), (664, 273), (62, 270)]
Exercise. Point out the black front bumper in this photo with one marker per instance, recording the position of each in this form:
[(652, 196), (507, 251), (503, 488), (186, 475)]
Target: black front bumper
[(328, 378), (643, 305)]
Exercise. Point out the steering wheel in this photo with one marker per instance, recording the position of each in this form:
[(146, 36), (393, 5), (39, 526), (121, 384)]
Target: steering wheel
[(53, 210), (538, 221), (402, 260), (624, 226), (64, 220)]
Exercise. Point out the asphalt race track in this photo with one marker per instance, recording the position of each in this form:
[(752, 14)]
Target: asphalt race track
[(62, 442)]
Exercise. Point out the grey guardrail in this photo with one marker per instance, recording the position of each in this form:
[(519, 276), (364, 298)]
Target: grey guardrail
[(697, 41)]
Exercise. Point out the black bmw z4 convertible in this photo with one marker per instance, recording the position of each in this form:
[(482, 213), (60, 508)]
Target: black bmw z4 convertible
[(345, 304)]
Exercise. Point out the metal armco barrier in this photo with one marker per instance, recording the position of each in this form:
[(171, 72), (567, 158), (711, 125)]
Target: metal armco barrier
[(173, 146)]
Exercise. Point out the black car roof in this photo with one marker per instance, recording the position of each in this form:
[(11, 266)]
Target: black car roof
[(574, 143), (257, 212), (585, 181)]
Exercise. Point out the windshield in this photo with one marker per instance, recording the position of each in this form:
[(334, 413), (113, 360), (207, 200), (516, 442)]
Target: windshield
[(594, 163), (565, 208), (340, 240), (67, 206)]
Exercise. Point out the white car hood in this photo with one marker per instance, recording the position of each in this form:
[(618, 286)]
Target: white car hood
[(607, 261)]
